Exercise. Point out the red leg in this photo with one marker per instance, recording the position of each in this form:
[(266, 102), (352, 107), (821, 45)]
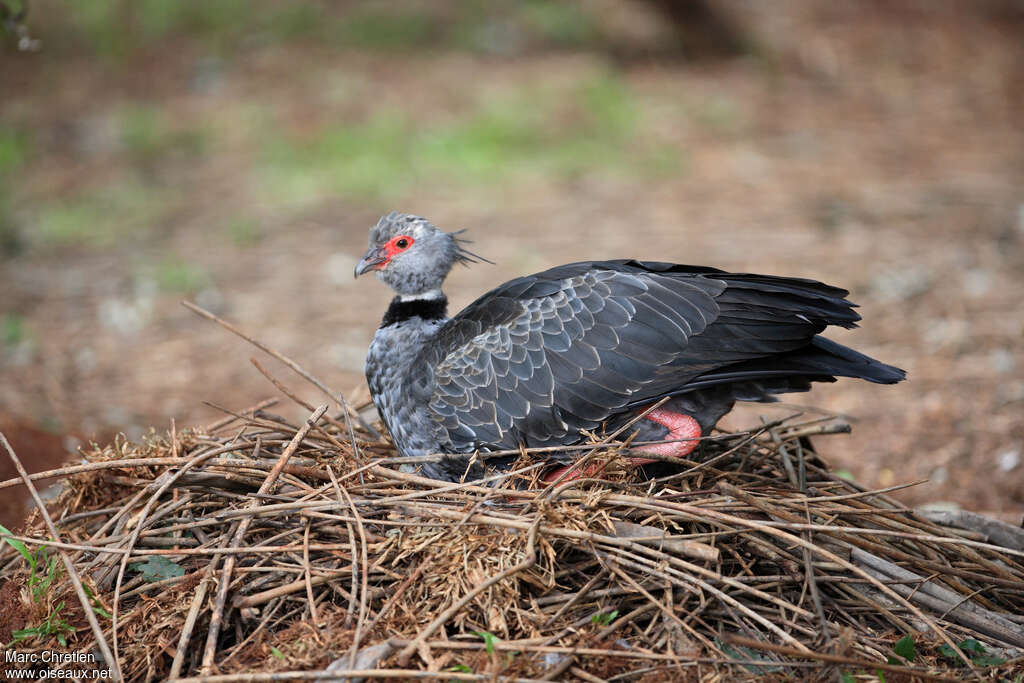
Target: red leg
[(680, 426)]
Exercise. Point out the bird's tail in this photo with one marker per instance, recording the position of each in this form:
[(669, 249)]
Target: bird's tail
[(822, 360), (842, 361)]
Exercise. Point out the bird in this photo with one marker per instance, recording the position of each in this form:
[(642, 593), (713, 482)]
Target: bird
[(660, 351)]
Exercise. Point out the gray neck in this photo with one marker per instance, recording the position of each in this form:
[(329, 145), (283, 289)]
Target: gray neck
[(397, 382)]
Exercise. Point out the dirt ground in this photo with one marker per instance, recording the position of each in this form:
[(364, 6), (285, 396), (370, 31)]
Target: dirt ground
[(877, 146)]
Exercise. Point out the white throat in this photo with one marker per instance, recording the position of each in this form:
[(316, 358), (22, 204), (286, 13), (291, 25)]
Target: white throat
[(431, 295)]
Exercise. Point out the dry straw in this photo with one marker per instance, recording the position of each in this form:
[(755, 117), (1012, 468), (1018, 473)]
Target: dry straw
[(277, 551)]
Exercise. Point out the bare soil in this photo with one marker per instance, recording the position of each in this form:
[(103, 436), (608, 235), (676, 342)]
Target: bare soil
[(876, 146), (13, 611)]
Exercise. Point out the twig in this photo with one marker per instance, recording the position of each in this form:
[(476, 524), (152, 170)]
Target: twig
[(69, 566), (284, 359), (531, 557), (924, 674), (209, 651), (196, 606)]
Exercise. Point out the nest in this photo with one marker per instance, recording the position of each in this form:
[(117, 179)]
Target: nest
[(258, 550)]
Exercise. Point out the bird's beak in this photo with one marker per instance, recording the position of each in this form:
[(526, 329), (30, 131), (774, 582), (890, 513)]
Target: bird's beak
[(371, 261)]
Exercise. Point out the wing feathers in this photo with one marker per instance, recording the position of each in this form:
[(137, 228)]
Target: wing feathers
[(544, 356)]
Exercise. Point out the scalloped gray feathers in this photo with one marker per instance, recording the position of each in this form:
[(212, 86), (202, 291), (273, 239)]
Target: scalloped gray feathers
[(543, 357)]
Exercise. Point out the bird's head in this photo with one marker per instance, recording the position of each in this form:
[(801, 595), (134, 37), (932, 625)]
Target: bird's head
[(412, 255)]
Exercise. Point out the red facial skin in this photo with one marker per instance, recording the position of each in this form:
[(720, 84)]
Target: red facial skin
[(680, 426), (393, 247)]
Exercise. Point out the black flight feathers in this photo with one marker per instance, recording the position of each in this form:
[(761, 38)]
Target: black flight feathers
[(543, 356)]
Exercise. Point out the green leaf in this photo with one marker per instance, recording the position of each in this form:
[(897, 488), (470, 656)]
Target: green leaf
[(973, 649), (40, 583), (19, 546), (489, 640), (95, 602), (904, 647), (53, 625), (277, 653), (157, 568), (23, 633), (847, 677), (604, 618), (461, 668), (988, 660)]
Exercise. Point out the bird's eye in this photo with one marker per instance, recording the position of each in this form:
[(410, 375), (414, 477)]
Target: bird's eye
[(398, 244)]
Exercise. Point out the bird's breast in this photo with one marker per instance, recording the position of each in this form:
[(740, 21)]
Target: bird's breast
[(397, 383)]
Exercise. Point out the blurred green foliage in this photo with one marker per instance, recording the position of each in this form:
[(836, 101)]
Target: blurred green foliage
[(244, 232), (376, 28), (14, 151), (12, 329), (561, 132), (102, 216), (147, 135), (176, 275), (118, 29), (134, 162), (562, 23)]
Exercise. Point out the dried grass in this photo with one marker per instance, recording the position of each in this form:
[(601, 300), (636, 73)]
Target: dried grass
[(307, 546)]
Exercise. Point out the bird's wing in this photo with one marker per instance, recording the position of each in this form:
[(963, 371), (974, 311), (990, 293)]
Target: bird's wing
[(542, 357)]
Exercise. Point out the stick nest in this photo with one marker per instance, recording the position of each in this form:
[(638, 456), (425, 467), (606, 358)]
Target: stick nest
[(261, 550)]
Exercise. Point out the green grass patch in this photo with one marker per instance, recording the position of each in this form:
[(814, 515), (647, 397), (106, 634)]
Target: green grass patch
[(244, 232), (10, 237), (559, 23), (161, 18), (148, 137), (13, 331), (44, 572), (528, 133), (116, 30), (176, 275), (54, 626), (14, 149), (14, 153), (100, 217), (298, 21), (367, 158), (380, 29)]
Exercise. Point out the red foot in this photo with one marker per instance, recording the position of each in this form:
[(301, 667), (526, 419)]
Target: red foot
[(680, 426)]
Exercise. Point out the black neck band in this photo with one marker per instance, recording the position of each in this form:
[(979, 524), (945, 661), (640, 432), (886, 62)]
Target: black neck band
[(427, 309)]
